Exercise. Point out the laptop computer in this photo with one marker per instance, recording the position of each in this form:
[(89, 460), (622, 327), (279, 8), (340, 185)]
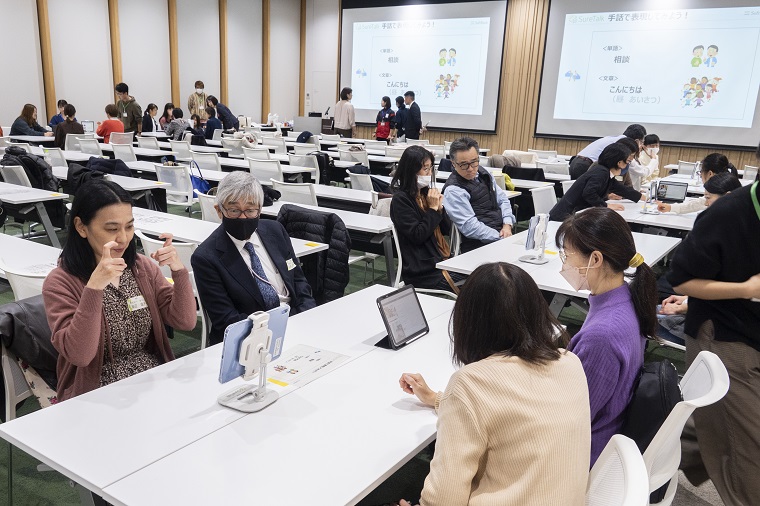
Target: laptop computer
[(89, 126), (671, 192)]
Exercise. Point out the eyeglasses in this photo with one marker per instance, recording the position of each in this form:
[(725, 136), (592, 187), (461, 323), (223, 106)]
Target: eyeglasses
[(563, 255), (235, 213), (467, 165)]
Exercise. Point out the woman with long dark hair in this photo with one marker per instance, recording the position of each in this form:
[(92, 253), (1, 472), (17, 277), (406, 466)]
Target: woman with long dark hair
[(384, 120), (26, 123), (712, 164), (596, 249), (106, 305), (167, 117)]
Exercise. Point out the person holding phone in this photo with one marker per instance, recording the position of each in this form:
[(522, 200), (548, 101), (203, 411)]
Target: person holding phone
[(108, 306), (513, 422)]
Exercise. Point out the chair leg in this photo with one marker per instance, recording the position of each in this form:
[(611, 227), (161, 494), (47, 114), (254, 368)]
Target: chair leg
[(10, 473)]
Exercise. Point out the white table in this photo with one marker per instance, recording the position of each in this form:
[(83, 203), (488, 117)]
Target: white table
[(192, 230), (241, 163), (138, 187), (70, 156), (158, 135), (144, 152), (108, 434), (633, 214), (696, 186), (33, 139), (26, 255), (197, 149), (15, 194)]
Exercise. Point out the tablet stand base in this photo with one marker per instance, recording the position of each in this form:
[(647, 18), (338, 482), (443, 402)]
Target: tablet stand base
[(534, 259), (384, 343), (243, 398)]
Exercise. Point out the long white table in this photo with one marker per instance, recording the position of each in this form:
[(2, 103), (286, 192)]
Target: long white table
[(15, 194), (135, 185), (111, 433), (33, 139), (696, 187), (70, 156), (26, 255), (198, 149), (141, 152), (633, 214)]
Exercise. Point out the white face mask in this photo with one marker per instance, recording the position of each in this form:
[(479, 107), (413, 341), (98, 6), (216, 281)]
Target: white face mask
[(199, 91), (654, 151), (423, 181)]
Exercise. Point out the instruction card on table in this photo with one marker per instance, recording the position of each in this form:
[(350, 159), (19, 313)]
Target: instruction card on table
[(303, 364)]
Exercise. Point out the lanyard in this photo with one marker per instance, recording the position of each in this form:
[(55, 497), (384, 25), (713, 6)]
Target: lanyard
[(753, 192)]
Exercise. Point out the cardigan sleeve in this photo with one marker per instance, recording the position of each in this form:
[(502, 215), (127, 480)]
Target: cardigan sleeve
[(689, 206)]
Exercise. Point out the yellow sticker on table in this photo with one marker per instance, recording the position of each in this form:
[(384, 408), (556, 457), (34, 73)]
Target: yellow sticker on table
[(312, 244), (55, 194), (550, 252), (277, 382)]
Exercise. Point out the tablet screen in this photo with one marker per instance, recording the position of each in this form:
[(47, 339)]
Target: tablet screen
[(672, 191), (403, 316)]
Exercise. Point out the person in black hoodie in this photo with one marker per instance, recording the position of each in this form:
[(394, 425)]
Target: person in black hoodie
[(417, 212), (400, 119), (593, 187)]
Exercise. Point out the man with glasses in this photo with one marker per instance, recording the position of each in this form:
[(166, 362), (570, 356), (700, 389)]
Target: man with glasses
[(246, 265), (480, 210)]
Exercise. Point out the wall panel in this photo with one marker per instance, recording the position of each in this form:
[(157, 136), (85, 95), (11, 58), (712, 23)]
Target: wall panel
[(321, 53), (244, 48), (21, 51), (81, 44), (198, 37), (144, 35), (284, 50)]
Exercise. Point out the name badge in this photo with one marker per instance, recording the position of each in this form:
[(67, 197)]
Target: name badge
[(125, 114), (137, 302), (291, 264), (382, 123)]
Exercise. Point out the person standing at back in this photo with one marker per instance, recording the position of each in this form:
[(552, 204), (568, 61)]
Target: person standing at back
[(384, 120), (130, 111), (196, 102), (212, 123), (69, 126), (413, 125), (229, 120), (580, 163), (345, 119), (399, 121)]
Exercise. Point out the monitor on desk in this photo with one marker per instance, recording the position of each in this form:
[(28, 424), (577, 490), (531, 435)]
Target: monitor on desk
[(672, 192), (89, 126)]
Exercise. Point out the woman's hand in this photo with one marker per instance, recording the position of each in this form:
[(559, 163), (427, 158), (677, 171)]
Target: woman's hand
[(403, 502), (663, 207), (675, 304), (616, 207), (168, 254), (108, 269), (414, 384), (434, 199)]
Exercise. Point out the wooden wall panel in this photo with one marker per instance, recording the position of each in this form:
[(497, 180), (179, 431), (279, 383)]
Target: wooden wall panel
[(518, 97)]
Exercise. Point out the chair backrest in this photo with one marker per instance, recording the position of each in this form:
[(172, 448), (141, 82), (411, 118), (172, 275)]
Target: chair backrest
[(16, 387), (90, 146), (5, 142), (330, 137), (498, 177), (361, 181), (277, 142), (418, 142), (257, 153), (292, 134), (23, 145), (303, 149), (544, 199), (182, 149), (305, 161), (56, 157), (235, 146), (207, 161), (543, 154), (15, 174), (296, 193), (208, 212), (395, 150), (265, 170), (23, 284), (375, 145), (566, 185), (355, 156), (124, 152), (217, 135), (447, 146), (148, 142), (456, 240), (122, 138), (178, 176), (619, 476), (72, 141), (686, 168), (439, 152), (750, 173), (523, 156), (184, 250), (554, 167), (705, 382)]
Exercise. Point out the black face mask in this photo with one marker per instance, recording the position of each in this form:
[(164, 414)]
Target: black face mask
[(240, 228)]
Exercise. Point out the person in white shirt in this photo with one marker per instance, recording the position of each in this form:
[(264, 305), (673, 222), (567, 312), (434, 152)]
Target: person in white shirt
[(345, 120), (590, 154), (649, 159), (713, 164)]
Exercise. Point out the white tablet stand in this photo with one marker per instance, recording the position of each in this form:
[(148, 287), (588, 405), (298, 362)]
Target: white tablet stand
[(254, 356), (538, 241)]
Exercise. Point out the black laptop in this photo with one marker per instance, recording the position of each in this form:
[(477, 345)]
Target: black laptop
[(672, 192)]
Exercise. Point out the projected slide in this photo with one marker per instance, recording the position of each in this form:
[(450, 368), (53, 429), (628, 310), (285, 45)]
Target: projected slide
[(697, 67), (442, 60)]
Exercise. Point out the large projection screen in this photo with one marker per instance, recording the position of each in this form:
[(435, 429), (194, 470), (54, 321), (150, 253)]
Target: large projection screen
[(449, 54), (689, 73)]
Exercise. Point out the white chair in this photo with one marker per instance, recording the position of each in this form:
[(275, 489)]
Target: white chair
[(554, 167), (439, 152), (124, 152), (543, 154), (183, 150), (15, 174), (217, 135), (304, 149), (379, 145), (360, 157), (23, 284), (207, 161), (395, 150), (417, 142), (456, 240), (278, 143), (686, 168), (5, 142), (296, 193), (361, 181), (566, 186), (705, 383), (184, 252), (208, 211), (498, 177), (257, 153), (90, 146), (122, 138), (379, 208), (331, 137), (446, 146), (180, 193), (544, 199), (72, 141), (266, 170), (56, 157), (148, 143), (23, 145), (292, 134), (398, 283), (483, 160), (619, 476), (235, 147), (306, 161), (750, 173), (523, 156)]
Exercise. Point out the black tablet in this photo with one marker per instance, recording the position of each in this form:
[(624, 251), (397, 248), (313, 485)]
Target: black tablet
[(403, 317)]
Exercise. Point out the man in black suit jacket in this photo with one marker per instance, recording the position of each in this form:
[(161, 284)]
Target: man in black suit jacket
[(226, 284), (413, 124)]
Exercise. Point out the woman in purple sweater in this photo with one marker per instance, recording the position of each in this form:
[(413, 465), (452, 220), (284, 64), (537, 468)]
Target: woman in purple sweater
[(596, 248)]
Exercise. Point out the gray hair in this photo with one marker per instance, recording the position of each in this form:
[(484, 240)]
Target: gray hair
[(463, 144), (241, 187)]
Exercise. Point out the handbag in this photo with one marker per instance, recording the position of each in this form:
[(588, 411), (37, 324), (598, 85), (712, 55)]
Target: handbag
[(200, 185)]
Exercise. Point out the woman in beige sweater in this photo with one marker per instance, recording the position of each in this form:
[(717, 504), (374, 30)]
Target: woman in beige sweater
[(513, 422)]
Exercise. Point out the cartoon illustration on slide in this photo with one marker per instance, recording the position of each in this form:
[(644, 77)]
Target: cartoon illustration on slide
[(361, 73), (445, 86), (711, 60), (688, 99), (572, 75), (442, 57), (452, 57), (698, 93), (699, 100), (686, 90), (697, 52)]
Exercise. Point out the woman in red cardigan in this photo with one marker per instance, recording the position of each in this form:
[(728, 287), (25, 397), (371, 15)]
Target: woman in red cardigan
[(106, 305)]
